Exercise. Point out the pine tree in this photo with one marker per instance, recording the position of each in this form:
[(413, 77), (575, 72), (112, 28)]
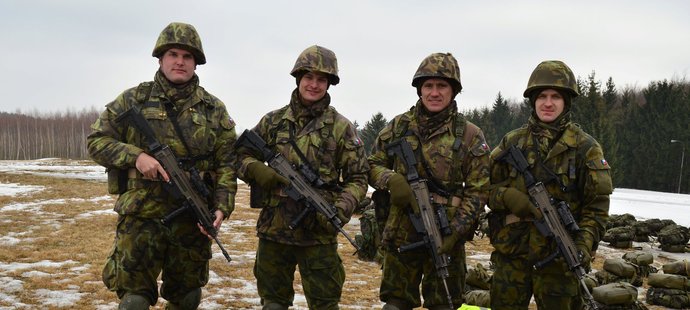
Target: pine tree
[(371, 130), (501, 120)]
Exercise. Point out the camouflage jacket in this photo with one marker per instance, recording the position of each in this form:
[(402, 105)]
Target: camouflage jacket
[(208, 131), (582, 180), (332, 147), (464, 172)]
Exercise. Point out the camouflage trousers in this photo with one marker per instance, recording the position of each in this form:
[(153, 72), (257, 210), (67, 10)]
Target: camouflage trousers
[(320, 268), (515, 280), (404, 272), (144, 248)]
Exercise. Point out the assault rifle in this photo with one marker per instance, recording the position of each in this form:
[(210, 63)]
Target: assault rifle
[(182, 185), (431, 222), (557, 220), (301, 188)]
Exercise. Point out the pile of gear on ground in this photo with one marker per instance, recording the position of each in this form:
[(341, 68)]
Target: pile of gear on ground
[(615, 287)]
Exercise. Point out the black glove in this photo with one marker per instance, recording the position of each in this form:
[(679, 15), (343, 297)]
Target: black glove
[(265, 176), (519, 204)]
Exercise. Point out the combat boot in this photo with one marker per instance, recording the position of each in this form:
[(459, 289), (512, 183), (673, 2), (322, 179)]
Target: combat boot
[(188, 302), (133, 302), (273, 306)]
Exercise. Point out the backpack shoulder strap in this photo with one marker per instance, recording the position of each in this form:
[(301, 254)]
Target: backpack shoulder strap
[(143, 92)]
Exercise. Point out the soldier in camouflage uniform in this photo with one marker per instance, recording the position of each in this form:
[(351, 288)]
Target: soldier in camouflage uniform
[(144, 247), (308, 131), (571, 165), (453, 155)]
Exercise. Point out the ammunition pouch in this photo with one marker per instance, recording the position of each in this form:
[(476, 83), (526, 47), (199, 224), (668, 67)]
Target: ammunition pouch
[(496, 223), (382, 206), (117, 181), (258, 197)]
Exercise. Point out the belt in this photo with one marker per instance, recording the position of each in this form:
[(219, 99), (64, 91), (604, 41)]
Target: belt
[(512, 218), (454, 201), (133, 173)]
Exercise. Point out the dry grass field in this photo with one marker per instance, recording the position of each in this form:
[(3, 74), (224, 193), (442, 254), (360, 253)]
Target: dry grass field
[(53, 243)]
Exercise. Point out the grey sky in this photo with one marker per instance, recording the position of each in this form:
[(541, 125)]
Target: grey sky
[(77, 54)]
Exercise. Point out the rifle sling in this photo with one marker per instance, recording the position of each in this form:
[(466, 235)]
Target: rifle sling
[(551, 176), (172, 114)]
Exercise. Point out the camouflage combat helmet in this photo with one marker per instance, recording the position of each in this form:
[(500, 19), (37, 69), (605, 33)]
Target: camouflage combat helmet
[(320, 59), (552, 74), (183, 36), (439, 65)]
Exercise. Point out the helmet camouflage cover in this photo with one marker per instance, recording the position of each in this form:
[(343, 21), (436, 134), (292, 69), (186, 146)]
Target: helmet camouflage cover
[(552, 74), (320, 59), (180, 35), (438, 65)]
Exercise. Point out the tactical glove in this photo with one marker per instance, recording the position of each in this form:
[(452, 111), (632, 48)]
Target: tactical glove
[(401, 192), (585, 257), (584, 246), (265, 176), (327, 225), (519, 204), (449, 242)]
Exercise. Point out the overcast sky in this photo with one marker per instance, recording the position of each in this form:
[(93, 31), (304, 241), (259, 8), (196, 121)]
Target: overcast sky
[(77, 54)]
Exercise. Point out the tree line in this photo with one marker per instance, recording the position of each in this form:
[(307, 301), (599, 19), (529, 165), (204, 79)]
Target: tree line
[(634, 126), (35, 135)]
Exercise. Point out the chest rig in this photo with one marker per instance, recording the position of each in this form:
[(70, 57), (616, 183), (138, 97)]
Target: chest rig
[(143, 94), (464, 131), (309, 169)]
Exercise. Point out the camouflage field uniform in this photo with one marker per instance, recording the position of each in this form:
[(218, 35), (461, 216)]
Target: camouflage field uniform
[(143, 246), (330, 144), (571, 164), (463, 171)]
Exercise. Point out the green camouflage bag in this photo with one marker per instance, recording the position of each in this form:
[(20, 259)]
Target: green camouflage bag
[(478, 278), (673, 234), (674, 248), (654, 226), (620, 233), (642, 261), (481, 298), (672, 281), (623, 271), (620, 237), (369, 240), (641, 231), (621, 293), (639, 257), (621, 244), (681, 267), (618, 220), (677, 299), (620, 267), (605, 277)]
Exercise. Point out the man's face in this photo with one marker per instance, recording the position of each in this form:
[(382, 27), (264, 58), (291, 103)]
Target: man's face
[(436, 94), (312, 87), (549, 105), (177, 65)]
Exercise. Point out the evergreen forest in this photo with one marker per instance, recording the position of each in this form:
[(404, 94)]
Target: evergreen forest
[(635, 127)]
